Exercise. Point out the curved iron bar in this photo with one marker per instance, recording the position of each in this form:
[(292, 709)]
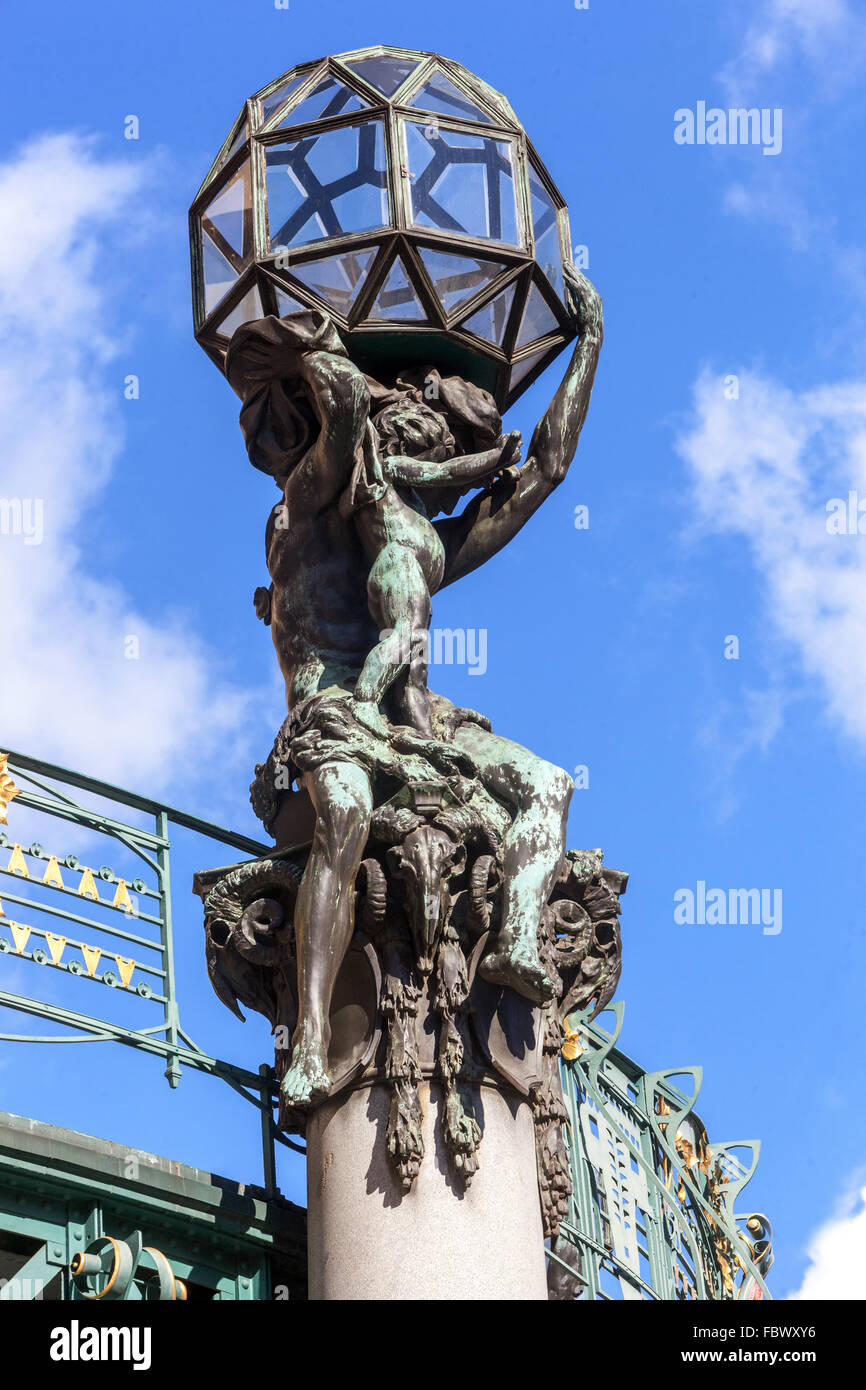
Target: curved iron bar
[(708, 1212), (654, 1180), (50, 800), (99, 822), (705, 1214), (588, 1073)]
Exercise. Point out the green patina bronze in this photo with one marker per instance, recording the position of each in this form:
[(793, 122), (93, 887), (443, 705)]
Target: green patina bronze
[(459, 830), (417, 920)]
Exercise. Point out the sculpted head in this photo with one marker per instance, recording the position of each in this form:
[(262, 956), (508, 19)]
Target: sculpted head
[(411, 428), (435, 418)]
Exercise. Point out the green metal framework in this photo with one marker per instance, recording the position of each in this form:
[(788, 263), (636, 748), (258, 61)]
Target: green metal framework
[(653, 1213), (175, 1232), (61, 895)]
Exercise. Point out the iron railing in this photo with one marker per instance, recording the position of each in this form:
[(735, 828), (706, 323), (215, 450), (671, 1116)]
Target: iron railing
[(653, 1213), (125, 916)]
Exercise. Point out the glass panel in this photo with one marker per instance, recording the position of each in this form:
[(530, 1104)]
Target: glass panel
[(219, 276), (230, 213), (520, 371), (385, 74), (397, 298), (336, 279), (234, 146), (274, 100), (491, 321), (456, 278), (537, 319), (249, 308), (286, 303), (330, 98), (327, 185), (440, 94), (236, 143), (547, 249), (462, 183)]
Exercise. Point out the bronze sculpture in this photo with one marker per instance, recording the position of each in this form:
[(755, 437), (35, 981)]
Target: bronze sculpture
[(317, 555), (433, 887)]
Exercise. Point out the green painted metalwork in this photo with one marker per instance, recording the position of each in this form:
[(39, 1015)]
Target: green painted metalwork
[(652, 1215), (63, 1193), (38, 792)]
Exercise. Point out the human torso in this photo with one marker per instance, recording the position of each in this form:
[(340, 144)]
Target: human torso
[(320, 622), (398, 519)]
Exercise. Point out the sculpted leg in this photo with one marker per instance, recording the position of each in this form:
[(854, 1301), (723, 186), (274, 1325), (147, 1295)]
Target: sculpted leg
[(532, 850), (324, 918), (400, 604)]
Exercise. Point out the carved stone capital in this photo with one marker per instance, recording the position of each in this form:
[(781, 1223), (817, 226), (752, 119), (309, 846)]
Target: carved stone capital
[(410, 1003)]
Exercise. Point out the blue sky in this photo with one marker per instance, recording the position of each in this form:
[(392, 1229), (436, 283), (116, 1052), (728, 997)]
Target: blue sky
[(606, 646)]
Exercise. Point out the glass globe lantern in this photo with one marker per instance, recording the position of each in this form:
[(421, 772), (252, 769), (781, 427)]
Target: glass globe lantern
[(400, 193)]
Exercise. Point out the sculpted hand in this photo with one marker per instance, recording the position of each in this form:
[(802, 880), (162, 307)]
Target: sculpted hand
[(310, 750), (507, 469), (265, 360), (583, 300), (511, 447)]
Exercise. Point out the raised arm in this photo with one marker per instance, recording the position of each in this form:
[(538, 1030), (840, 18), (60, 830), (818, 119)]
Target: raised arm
[(305, 404), (341, 400), (496, 515)]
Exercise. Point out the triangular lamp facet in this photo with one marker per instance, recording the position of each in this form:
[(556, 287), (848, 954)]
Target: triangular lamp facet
[(397, 299)]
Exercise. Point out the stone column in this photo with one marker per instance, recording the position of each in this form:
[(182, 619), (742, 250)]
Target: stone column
[(436, 1164), (441, 1240)]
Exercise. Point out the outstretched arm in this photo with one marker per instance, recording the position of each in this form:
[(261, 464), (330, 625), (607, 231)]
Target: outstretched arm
[(496, 515), (467, 468)]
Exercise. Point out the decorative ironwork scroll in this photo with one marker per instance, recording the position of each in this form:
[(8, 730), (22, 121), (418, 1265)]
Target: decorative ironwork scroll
[(107, 927), (652, 1213)]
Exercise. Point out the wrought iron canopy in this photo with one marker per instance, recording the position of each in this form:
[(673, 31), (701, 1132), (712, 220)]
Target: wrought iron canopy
[(400, 193)]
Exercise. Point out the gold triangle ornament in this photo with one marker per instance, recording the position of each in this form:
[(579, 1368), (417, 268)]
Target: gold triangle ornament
[(87, 887), (91, 956), (126, 968), (17, 863), (56, 946), (121, 896), (52, 874), (19, 935)]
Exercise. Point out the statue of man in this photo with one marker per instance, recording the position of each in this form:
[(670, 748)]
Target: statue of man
[(305, 416)]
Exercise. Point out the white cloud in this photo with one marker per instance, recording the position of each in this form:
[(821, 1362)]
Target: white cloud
[(779, 203), (791, 36), (837, 1267), (816, 31), (763, 202), (68, 693), (763, 467), (732, 733)]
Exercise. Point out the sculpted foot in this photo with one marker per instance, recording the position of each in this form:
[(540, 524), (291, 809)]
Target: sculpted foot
[(307, 1078), (521, 971)]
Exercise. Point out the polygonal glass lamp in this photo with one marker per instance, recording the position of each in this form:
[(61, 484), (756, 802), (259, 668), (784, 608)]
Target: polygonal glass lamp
[(399, 193)]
